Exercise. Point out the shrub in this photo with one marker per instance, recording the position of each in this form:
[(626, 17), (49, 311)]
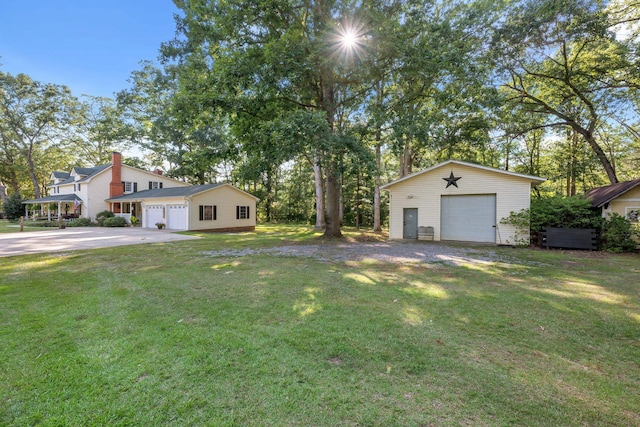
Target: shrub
[(102, 216), (563, 212), (133, 220), (115, 221), (13, 207), (51, 224), (80, 222), (617, 234)]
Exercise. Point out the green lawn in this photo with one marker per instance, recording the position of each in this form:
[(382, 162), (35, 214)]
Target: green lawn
[(14, 227), (161, 334)]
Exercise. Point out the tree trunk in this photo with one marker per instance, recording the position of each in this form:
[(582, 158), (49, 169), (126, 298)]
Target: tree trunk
[(317, 170), (3, 193), (602, 156), (33, 176), (269, 202), (332, 228), (377, 222), (405, 160)]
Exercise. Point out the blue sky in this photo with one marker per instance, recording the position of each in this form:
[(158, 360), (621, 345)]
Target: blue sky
[(90, 46)]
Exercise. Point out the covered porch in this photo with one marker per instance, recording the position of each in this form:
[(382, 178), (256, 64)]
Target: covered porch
[(67, 207), (127, 210)]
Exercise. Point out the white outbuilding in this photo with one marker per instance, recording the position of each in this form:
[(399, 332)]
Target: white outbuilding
[(459, 201)]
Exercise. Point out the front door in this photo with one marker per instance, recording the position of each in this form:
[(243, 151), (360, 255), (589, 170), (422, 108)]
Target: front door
[(410, 229)]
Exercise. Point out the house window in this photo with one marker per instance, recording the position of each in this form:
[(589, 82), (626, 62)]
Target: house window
[(154, 185), (208, 213), (129, 187), (242, 212), (79, 185), (633, 214)]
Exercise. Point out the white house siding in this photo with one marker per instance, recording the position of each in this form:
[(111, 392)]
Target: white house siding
[(98, 187), (96, 193), (424, 192), (225, 198)]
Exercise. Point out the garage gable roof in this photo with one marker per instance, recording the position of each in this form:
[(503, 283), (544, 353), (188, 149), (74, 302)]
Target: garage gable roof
[(602, 195), (188, 191), (533, 179)]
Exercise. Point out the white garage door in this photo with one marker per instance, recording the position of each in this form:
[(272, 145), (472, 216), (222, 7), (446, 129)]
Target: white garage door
[(176, 217), (470, 218), (153, 215)]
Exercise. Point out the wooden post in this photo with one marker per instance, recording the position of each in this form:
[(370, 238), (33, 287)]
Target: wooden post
[(21, 223)]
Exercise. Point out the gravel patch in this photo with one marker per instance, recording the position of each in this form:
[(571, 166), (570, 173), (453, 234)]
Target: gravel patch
[(391, 252)]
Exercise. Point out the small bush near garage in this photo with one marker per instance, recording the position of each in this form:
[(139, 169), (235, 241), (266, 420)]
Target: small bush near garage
[(116, 221), (618, 234), (102, 216), (561, 212), (80, 222), (615, 234)]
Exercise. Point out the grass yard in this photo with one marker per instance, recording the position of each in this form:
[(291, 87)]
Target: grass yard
[(14, 227), (162, 334)]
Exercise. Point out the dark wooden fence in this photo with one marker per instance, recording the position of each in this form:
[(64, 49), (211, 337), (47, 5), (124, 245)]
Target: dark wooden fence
[(570, 238)]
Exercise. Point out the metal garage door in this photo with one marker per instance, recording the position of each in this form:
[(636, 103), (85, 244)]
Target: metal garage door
[(469, 218), (153, 214), (176, 217)]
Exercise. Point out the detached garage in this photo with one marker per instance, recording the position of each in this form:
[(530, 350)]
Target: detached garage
[(216, 207), (458, 201)]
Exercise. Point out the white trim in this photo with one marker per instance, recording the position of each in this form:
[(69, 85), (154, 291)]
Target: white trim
[(625, 200)]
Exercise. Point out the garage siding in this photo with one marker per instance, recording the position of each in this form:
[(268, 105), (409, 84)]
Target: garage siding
[(226, 199), (425, 190)]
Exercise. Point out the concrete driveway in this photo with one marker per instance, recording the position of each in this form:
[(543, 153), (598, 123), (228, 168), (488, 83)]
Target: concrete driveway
[(71, 239)]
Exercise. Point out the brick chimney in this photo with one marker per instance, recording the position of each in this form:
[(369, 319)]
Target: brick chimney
[(115, 187), (158, 171)]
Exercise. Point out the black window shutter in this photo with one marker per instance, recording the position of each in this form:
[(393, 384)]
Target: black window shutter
[(135, 187), (150, 184), (215, 212), (160, 185), (201, 213), (247, 212), (237, 212)]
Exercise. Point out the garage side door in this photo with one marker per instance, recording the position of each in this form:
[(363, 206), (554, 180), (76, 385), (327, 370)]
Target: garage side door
[(153, 214), (176, 217), (469, 218)]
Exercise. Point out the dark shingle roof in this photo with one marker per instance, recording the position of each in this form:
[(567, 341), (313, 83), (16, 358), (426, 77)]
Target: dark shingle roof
[(602, 195), (166, 192), (89, 172), (86, 173), (61, 175)]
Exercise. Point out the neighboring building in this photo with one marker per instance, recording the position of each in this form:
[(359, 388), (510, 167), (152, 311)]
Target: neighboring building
[(150, 196), (220, 207), (459, 201), (622, 198)]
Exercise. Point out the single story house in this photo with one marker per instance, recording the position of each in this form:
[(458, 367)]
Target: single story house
[(220, 207), (128, 191), (459, 201), (622, 198)]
